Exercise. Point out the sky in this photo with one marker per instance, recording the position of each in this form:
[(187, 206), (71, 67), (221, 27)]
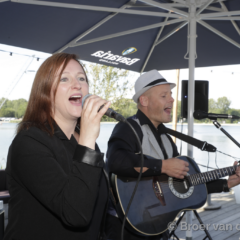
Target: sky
[(17, 73)]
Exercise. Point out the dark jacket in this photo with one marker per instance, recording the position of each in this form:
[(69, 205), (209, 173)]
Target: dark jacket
[(58, 189), (122, 158), (123, 146)]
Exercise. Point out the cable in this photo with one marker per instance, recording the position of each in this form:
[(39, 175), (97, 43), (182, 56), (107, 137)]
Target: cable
[(138, 180), (216, 159), (208, 162), (15, 82), (236, 158), (205, 166), (11, 53)]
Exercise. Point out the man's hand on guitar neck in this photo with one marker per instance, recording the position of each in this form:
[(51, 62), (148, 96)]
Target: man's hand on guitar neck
[(175, 167), (234, 180)]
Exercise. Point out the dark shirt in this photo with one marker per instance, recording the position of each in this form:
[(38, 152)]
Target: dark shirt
[(123, 146), (57, 188)]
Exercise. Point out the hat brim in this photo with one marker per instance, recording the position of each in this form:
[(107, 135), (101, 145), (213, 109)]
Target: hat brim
[(139, 93)]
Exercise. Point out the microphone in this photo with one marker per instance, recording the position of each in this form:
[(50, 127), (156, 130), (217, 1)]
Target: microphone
[(110, 112), (200, 115)]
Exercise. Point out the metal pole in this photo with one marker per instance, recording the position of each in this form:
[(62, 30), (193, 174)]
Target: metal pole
[(153, 46), (209, 205), (25, 69), (191, 89), (191, 84), (175, 105)]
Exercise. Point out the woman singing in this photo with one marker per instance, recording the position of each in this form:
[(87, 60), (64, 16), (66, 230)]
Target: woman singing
[(55, 172)]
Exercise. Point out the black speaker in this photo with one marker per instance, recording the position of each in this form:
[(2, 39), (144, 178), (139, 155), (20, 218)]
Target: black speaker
[(201, 97)]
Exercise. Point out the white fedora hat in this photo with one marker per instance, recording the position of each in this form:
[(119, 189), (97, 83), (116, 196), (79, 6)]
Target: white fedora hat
[(148, 80)]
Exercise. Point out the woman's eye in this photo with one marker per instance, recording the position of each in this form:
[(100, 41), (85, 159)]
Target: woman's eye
[(63, 79), (81, 79)]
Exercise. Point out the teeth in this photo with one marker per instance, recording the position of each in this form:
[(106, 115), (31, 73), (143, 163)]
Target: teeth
[(76, 96)]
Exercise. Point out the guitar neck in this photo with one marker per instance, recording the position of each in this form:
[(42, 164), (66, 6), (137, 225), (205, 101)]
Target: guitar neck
[(199, 178)]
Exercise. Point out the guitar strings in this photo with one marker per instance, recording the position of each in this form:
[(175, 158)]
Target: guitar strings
[(208, 177), (177, 182)]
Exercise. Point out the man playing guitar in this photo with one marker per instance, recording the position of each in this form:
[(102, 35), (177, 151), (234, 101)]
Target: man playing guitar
[(154, 101)]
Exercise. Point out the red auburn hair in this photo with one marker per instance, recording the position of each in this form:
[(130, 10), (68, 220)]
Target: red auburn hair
[(39, 109)]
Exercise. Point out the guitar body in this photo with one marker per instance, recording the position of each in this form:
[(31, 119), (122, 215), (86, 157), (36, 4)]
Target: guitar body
[(158, 200)]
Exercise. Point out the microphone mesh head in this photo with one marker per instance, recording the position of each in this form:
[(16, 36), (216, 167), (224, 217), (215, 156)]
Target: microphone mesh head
[(85, 97)]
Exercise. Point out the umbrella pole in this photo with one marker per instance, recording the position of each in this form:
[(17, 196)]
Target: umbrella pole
[(191, 89), (175, 105)]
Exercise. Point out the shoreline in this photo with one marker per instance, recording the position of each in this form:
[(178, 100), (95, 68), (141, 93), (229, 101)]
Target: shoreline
[(204, 124)]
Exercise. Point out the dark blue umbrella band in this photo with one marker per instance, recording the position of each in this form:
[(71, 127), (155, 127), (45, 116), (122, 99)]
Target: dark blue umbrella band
[(155, 82)]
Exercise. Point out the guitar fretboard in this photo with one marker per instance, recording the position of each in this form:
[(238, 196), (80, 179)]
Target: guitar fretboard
[(199, 178)]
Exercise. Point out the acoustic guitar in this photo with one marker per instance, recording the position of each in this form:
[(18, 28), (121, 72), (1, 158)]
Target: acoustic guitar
[(159, 199)]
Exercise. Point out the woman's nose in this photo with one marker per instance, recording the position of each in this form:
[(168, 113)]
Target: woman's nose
[(76, 83)]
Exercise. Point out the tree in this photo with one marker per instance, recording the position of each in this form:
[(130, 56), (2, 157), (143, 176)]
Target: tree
[(109, 83), (212, 105), (14, 108), (223, 105), (7, 112), (127, 107), (20, 107)]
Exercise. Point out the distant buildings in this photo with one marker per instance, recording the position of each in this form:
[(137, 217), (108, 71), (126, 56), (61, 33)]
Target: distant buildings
[(7, 119)]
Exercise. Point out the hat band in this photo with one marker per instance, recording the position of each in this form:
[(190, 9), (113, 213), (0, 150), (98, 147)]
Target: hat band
[(156, 81)]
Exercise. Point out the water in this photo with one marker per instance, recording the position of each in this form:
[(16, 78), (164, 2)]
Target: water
[(207, 133), (7, 133)]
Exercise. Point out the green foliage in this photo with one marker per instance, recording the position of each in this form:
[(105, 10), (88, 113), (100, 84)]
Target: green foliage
[(179, 110), (7, 112), (221, 106), (111, 84), (212, 105), (14, 108), (126, 107), (112, 88)]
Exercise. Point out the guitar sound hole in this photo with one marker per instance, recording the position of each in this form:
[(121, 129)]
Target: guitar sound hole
[(180, 188)]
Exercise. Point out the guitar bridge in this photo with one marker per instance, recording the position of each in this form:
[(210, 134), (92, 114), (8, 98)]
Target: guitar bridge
[(158, 190)]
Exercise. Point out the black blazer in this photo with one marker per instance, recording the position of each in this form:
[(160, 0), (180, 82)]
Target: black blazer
[(57, 188)]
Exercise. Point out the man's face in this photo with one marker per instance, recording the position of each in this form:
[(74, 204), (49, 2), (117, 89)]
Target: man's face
[(159, 104)]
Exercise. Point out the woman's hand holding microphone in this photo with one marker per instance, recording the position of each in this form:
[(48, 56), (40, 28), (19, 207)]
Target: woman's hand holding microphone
[(90, 120)]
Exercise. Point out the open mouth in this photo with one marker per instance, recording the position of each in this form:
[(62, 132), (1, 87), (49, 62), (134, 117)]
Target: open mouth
[(168, 110), (76, 99)]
